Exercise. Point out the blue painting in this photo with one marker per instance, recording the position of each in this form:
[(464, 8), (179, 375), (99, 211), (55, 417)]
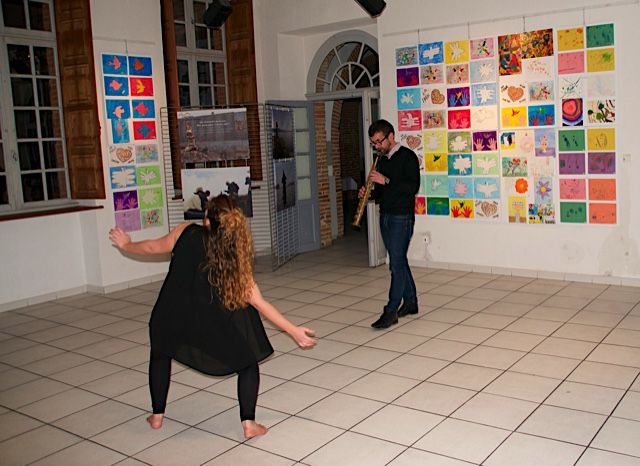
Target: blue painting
[(482, 71), (437, 185), (460, 165), (484, 94), (542, 115), (140, 66), (432, 52), (145, 108), (116, 86), (118, 109), (408, 98), (460, 187), (119, 131), (487, 187), (114, 64)]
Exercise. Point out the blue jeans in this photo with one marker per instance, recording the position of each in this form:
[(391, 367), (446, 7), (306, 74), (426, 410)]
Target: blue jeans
[(397, 231)]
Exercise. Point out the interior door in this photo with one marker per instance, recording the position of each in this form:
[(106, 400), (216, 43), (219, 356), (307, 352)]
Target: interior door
[(370, 113)]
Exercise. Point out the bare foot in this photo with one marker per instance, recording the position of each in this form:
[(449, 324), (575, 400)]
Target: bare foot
[(253, 429), (155, 420)]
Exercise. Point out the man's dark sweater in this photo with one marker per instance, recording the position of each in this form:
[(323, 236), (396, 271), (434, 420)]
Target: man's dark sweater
[(403, 171)]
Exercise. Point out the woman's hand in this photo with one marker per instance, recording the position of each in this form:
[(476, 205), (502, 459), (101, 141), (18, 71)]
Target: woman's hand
[(119, 237), (302, 336)]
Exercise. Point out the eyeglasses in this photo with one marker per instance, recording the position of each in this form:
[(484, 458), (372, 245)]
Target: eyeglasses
[(377, 143)]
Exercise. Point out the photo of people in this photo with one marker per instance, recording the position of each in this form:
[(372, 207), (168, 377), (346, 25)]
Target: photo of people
[(233, 181)]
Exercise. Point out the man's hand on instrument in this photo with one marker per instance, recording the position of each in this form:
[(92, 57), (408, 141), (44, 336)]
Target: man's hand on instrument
[(361, 193), (377, 177)]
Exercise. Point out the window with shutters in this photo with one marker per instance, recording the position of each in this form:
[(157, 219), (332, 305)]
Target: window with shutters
[(201, 56), (33, 161)]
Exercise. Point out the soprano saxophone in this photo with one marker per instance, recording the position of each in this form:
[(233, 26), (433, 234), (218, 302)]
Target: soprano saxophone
[(364, 199)]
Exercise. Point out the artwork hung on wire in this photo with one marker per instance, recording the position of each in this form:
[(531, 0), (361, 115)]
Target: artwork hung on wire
[(285, 183), (528, 117), (135, 176), (213, 135), (282, 133), (232, 181)]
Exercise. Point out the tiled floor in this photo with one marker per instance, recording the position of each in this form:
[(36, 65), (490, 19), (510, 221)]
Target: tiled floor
[(494, 370)]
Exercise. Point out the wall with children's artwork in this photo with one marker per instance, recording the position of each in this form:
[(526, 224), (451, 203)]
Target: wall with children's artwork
[(52, 256), (551, 194)]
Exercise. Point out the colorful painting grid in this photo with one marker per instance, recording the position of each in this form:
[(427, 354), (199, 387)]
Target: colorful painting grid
[(134, 170), (517, 128)]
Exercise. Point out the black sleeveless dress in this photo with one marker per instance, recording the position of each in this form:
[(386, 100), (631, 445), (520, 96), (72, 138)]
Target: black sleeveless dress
[(190, 324)]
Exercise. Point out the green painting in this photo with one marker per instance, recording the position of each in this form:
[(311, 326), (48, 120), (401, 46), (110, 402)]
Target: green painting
[(600, 35), (573, 212), (148, 175), (150, 198), (571, 140)]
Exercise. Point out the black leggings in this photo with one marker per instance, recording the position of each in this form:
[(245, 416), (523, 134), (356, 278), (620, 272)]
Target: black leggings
[(160, 378)]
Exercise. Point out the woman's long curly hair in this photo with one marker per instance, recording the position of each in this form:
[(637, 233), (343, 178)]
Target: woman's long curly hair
[(229, 247)]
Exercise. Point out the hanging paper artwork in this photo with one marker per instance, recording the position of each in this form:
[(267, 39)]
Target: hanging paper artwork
[(420, 207), (144, 130), (570, 39), (123, 177), (573, 212), (146, 153), (601, 139), (433, 119), (128, 220), (545, 142), (459, 165), (600, 35), (460, 187), (431, 74), (514, 117), (514, 167), (484, 94), (487, 210), (510, 54), (541, 91), (140, 66), (601, 111), (456, 51), (141, 87), (151, 218), (150, 198), (118, 109), (571, 62), (125, 200), (122, 155), (435, 141), (409, 120), (486, 188), (406, 77), (408, 98), (147, 175), (119, 131), (539, 68), (437, 185), (143, 108), (572, 112), (517, 206), (602, 163), (486, 164), (571, 140), (435, 162), (485, 141), (513, 91), (482, 71), (432, 52), (462, 208), (116, 86), (482, 48), (438, 206), (459, 141), (602, 189), (601, 85), (458, 73), (535, 44), (459, 119), (602, 213), (601, 60), (542, 115), (573, 188), (571, 163), (571, 86), (458, 97), (114, 64), (434, 97), (484, 117), (406, 56)]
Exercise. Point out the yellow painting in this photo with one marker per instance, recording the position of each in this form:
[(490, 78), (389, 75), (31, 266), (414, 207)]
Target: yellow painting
[(456, 51), (517, 209), (514, 117), (601, 60), (434, 141), (461, 208), (601, 139), (435, 162), (570, 39)]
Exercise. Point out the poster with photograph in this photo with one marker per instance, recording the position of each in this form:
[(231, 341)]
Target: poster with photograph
[(282, 132), (233, 181), (213, 135), (285, 183)]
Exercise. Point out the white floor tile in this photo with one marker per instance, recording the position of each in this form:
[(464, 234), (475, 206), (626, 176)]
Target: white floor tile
[(352, 448), (527, 450)]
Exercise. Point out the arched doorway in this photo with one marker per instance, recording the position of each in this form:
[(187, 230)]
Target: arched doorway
[(344, 70)]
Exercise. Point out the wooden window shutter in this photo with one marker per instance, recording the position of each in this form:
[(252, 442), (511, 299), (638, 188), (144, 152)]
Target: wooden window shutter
[(79, 98), (241, 72)]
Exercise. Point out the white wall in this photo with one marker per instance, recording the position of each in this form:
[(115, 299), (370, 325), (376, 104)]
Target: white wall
[(598, 252), (52, 256)]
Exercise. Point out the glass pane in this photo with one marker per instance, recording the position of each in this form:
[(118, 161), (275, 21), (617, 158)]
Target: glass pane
[(206, 97), (39, 16), (13, 13), (204, 72), (183, 71), (4, 193), (47, 93), (2, 166), (44, 61), (216, 38), (181, 35), (178, 10), (26, 126), (56, 185), (348, 51), (29, 154), (300, 118), (32, 187), (185, 97), (22, 91), (202, 41), (221, 97), (218, 73), (19, 59), (302, 166), (304, 189), (198, 11), (50, 124), (370, 60), (53, 154), (302, 141)]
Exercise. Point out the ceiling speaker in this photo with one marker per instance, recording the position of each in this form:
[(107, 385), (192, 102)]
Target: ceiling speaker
[(373, 7), (217, 13)]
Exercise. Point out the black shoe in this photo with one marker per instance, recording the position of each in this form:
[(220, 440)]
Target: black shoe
[(408, 308), (386, 320)]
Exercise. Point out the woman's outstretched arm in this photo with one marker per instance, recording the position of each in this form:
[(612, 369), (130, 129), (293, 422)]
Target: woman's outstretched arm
[(162, 245), (301, 335)]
